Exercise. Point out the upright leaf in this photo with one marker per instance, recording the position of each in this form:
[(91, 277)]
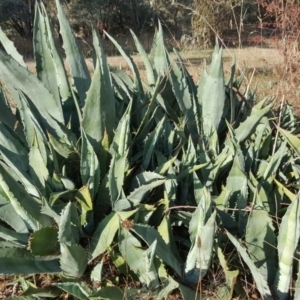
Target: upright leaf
[(146, 60), (99, 109), (106, 230), (151, 143), (25, 205), (10, 49), (212, 95), (288, 238), (18, 78), (79, 71), (89, 165), (261, 283), (260, 240), (21, 261), (45, 67), (73, 260)]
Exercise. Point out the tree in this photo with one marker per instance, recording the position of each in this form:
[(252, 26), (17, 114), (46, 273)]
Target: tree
[(18, 15), (113, 15), (176, 15)]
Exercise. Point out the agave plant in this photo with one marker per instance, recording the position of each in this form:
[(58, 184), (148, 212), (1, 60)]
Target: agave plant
[(111, 165)]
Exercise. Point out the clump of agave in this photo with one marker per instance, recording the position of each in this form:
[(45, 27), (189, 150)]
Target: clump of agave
[(111, 165)]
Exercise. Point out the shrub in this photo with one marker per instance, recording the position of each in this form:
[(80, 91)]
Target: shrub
[(165, 177)]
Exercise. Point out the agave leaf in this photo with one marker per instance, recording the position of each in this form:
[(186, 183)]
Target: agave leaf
[(212, 95), (38, 167), (144, 132), (79, 71), (16, 157), (261, 283), (122, 84), (11, 49), (62, 78), (140, 261), (237, 184), (146, 60), (73, 260), (260, 240), (132, 66), (246, 127), (286, 191), (74, 288), (65, 234), (151, 143), (45, 67), (162, 101), (151, 107), (96, 274), (122, 138), (32, 127), (164, 167), (171, 185), (201, 229), (20, 239), (11, 217), (124, 80), (8, 118), (105, 232), (12, 151), (149, 235), (21, 261), (221, 162), (189, 171), (230, 276), (170, 286), (18, 78), (116, 177), (83, 196), (158, 52), (25, 205), (102, 202), (288, 239), (263, 135), (108, 293), (63, 146), (44, 242), (169, 140), (56, 196), (69, 102), (186, 292), (29, 289), (89, 165), (99, 109), (146, 182), (165, 230), (184, 96), (231, 94), (292, 139), (138, 97), (201, 193), (274, 163), (48, 211)]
